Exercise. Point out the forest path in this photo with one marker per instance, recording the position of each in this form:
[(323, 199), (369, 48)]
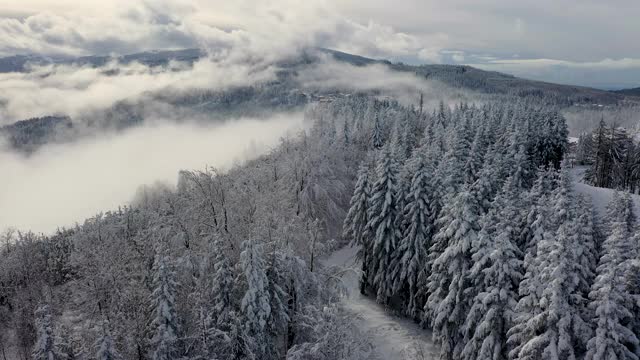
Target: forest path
[(395, 338)]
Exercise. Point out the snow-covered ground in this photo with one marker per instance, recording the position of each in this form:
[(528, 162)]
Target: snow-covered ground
[(599, 196), (395, 337)]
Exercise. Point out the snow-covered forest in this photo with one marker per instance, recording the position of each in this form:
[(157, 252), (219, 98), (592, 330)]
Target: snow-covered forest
[(477, 233), (319, 180), (612, 155), (465, 219)]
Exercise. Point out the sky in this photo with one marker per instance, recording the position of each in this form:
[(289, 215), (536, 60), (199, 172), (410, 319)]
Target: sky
[(584, 42)]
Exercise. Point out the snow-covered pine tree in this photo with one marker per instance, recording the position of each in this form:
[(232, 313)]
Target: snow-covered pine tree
[(476, 155), (447, 306), (278, 320), (586, 249), (538, 225), (346, 132), (222, 281), (537, 199), (44, 348), (217, 302), (355, 224), (610, 298), (408, 268), (495, 276), (456, 158), (64, 345), (377, 136), (558, 329), (399, 150), (230, 341), (106, 349), (255, 304), (399, 147), (620, 210), (383, 214), (164, 325)]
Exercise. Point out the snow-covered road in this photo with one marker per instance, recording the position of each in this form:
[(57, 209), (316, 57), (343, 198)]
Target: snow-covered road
[(394, 337)]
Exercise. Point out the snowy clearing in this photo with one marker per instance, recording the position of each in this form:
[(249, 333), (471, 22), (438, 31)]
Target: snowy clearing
[(599, 196), (395, 337)]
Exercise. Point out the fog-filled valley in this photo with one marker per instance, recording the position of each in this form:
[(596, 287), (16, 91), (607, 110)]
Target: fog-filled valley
[(103, 171), (219, 181)]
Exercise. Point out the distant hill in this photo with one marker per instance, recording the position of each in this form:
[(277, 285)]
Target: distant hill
[(492, 82), (284, 93), (459, 76), (28, 135), (20, 63), (628, 92)]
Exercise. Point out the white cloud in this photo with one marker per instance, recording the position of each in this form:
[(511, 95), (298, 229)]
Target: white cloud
[(72, 90), (403, 86), (430, 55)]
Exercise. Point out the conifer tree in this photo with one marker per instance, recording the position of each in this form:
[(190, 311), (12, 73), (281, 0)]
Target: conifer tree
[(558, 329), (222, 281), (611, 301), (383, 214), (447, 306), (230, 339), (255, 304), (377, 137), (355, 224), (64, 345), (476, 155), (279, 317), (537, 198), (105, 347), (410, 257), (44, 348), (495, 276), (455, 159), (532, 284), (165, 345)]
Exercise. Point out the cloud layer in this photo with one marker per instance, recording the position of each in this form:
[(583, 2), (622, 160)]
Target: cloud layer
[(458, 31), (72, 90), (405, 87), (64, 184)]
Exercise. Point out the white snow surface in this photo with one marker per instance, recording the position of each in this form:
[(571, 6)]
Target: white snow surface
[(395, 337), (599, 196)]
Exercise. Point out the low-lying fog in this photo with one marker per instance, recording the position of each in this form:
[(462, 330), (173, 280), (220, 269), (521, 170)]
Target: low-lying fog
[(64, 184)]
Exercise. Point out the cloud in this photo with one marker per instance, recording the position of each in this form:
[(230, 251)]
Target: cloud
[(403, 86), (408, 30), (73, 90), (63, 184), (266, 28)]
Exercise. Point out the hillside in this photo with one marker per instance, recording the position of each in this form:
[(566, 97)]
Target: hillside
[(628, 92), (492, 82)]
